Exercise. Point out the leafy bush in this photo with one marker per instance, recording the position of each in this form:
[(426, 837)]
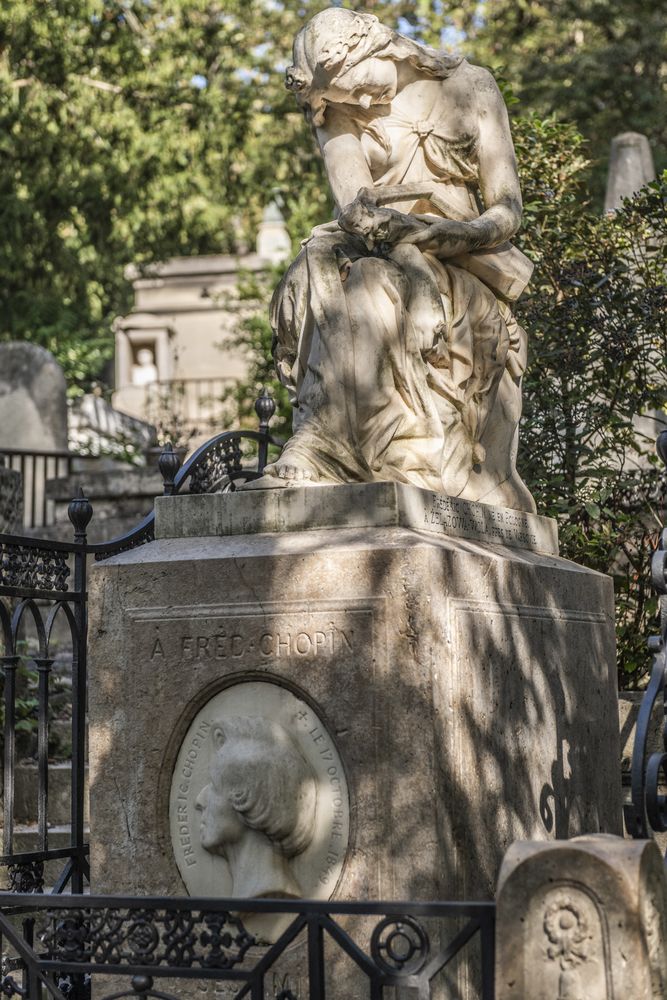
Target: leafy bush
[(596, 316)]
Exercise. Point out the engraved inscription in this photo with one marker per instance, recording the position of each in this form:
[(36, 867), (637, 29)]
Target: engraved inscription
[(184, 776), (266, 643), (338, 826), (492, 523)]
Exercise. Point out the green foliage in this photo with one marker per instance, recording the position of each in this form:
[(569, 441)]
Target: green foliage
[(136, 130), (600, 64), (26, 708), (25, 704), (596, 316)]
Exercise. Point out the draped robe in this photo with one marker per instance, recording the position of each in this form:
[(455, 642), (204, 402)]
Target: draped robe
[(401, 366)]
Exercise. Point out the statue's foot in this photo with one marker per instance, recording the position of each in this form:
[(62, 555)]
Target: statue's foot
[(290, 471), (293, 471)]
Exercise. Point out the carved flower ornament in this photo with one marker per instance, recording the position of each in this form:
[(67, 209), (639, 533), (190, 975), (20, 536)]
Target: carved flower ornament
[(568, 933)]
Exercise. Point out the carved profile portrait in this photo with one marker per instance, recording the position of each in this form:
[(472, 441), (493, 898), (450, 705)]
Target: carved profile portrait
[(258, 811)]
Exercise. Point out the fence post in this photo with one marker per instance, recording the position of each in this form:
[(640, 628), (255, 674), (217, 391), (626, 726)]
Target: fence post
[(646, 814), (265, 407), (80, 512), (168, 463)]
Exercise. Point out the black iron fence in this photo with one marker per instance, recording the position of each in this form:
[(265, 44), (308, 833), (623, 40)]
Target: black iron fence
[(43, 612), (36, 468), (41, 584), (57, 948), (647, 812)]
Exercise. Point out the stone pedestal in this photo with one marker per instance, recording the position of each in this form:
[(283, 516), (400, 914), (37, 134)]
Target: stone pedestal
[(466, 688)]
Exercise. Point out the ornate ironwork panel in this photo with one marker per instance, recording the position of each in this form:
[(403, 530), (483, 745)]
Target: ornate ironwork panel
[(29, 567), (143, 942), (146, 937), (217, 466), (43, 583)]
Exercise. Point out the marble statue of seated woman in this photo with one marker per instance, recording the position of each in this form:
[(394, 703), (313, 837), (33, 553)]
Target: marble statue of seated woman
[(393, 327)]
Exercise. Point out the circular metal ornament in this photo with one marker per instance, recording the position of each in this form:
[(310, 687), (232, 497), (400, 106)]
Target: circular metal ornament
[(143, 938), (400, 946)]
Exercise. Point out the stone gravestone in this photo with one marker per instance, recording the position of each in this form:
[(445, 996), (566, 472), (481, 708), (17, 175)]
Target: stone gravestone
[(586, 920), (630, 168), (33, 403)]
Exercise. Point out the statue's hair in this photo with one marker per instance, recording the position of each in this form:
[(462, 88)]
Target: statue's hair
[(336, 39), (267, 780)]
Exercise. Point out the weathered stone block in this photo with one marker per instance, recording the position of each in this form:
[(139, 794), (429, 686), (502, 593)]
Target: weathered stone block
[(371, 505), (585, 920), (469, 690), (630, 168)]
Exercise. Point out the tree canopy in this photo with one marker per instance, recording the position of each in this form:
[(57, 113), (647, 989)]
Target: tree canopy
[(600, 64), (136, 130), (132, 131)]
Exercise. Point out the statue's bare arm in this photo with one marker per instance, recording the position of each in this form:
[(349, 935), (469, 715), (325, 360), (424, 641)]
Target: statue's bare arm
[(352, 186), (344, 160), (498, 176)]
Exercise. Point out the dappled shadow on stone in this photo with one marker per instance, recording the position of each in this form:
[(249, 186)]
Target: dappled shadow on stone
[(469, 689)]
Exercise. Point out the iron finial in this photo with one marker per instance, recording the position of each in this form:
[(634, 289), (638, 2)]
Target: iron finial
[(265, 407), (169, 463), (142, 984), (80, 511)]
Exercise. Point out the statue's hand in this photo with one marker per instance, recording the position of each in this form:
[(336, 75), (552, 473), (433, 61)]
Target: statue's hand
[(374, 224), (363, 218), (446, 238)]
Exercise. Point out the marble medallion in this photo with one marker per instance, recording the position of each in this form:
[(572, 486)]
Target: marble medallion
[(259, 804)]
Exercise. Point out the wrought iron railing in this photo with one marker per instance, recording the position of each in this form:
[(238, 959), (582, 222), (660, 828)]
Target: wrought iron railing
[(217, 466), (57, 948), (41, 583), (36, 469), (42, 589), (646, 814)]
